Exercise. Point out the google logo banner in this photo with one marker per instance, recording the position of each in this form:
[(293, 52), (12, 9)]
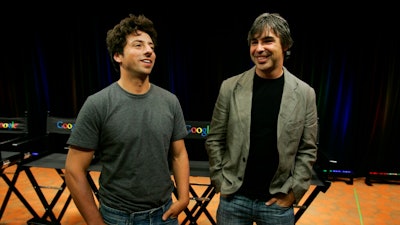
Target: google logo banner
[(12, 125), (197, 129), (60, 125), (65, 125)]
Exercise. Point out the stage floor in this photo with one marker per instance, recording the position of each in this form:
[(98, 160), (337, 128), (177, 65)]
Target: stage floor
[(342, 204)]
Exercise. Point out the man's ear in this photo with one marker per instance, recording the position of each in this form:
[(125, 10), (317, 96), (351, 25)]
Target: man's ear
[(117, 57)]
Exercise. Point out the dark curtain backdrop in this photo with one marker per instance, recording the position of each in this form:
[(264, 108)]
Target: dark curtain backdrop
[(51, 61)]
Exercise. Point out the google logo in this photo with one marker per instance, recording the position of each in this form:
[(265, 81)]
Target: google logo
[(65, 126), (203, 131), (9, 126)]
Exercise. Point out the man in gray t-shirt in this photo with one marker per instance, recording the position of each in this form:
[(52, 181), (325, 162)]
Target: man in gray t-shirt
[(134, 127)]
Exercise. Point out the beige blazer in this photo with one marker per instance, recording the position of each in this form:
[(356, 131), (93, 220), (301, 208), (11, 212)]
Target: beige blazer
[(228, 140)]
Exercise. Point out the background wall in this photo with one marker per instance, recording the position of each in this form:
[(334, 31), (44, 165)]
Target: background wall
[(52, 60)]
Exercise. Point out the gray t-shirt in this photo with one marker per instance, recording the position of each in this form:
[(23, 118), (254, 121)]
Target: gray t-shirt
[(132, 135)]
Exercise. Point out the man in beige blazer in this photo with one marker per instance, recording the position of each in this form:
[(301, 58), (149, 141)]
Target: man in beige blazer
[(263, 133)]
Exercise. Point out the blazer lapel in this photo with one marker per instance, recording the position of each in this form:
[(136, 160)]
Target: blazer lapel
[(242, 96), (289, 102)]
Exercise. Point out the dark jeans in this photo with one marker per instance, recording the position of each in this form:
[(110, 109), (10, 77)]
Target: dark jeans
[(149, 217), (240, 210)]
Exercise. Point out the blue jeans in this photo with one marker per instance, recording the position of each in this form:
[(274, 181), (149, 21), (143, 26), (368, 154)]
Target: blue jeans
[(240, 210), (149, 217)]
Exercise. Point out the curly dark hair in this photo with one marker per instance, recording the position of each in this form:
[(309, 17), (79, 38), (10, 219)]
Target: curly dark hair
[(116, 37)]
